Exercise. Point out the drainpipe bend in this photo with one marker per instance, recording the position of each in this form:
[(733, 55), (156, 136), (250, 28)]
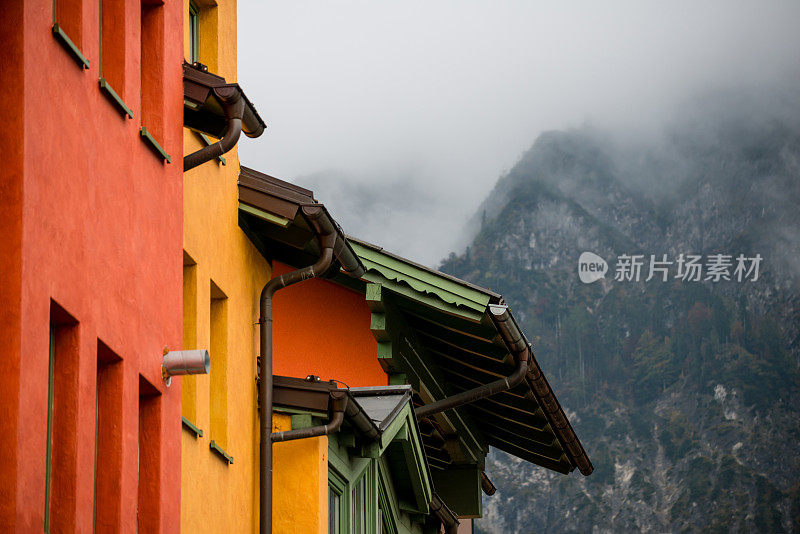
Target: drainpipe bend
[(327, 240), (339, 402), (519, 347), (234, 110)]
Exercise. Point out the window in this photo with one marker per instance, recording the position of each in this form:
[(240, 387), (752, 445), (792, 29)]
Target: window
[(334, 507), (152, 76), (194, 33), (62, 404), (67, 28), (337, 509), (386, 516), (359, 506), (352, 496), (189, 382), (107, 440), (148, 495), (219, 366), (49, 462), (112, 53), (201, 40)]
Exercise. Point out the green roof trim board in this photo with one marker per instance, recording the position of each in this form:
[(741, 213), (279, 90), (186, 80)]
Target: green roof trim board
[(419, 278)]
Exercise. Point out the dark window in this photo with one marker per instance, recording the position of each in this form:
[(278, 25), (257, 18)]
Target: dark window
[(334, 504), (189, 382), (112, 53), (68, 14), (112, 44), (337, 509), (218, 396), (360, 506), (107, 440), (148, 495), (62, 408), (152, 69), (194, 33)]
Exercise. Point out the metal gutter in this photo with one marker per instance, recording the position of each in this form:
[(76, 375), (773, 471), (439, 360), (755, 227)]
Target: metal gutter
[(344, 403), (213, 106), (361, 421), (329, 235), (233, 104), (517, 345), (276, 198), (543, 394)]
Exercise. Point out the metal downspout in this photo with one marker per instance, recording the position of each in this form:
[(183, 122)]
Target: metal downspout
[(338, 402), (445, 515), (481, 392), (327, 240), (517, 345), (234, 111)]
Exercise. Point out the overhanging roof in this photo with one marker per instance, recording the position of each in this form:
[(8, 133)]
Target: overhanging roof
[(435, 329), (448, 345), (203, 93), (392, 431), (273, 214)]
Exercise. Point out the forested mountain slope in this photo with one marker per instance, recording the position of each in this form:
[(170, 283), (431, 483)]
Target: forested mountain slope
[(684, 393)]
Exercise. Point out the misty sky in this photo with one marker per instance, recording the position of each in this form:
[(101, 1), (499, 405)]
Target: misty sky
[(402, 115)]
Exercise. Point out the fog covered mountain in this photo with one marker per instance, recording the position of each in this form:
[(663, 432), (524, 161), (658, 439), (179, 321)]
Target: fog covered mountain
[(686, 394)]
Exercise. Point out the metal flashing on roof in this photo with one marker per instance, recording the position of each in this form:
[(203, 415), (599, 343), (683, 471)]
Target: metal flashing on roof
[(382, 404)]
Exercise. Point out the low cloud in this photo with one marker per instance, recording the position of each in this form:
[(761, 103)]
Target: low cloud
[(423, 105)]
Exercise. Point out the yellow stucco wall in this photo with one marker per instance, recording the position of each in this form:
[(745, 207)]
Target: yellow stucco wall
[(217, 496), (300, 483), (219, 261)]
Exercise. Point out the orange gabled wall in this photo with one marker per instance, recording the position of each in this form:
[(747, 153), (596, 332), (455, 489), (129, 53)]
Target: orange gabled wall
[(323, 329)]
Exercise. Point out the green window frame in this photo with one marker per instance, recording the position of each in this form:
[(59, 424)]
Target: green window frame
[(353, 497), (338, 517), (359, 513), (194, 32), (62, 37), (49, 463), (387, 513), (105, 87)]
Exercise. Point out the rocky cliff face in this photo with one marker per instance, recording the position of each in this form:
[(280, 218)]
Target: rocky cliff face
[(684, 393)]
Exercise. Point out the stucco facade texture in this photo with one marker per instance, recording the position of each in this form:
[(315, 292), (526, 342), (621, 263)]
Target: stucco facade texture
[(323, 329), (91, 244), (223, 276)]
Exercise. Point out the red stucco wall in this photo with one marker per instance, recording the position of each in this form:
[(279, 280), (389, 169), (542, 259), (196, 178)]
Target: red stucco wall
[(323, 329), (91, 219)]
